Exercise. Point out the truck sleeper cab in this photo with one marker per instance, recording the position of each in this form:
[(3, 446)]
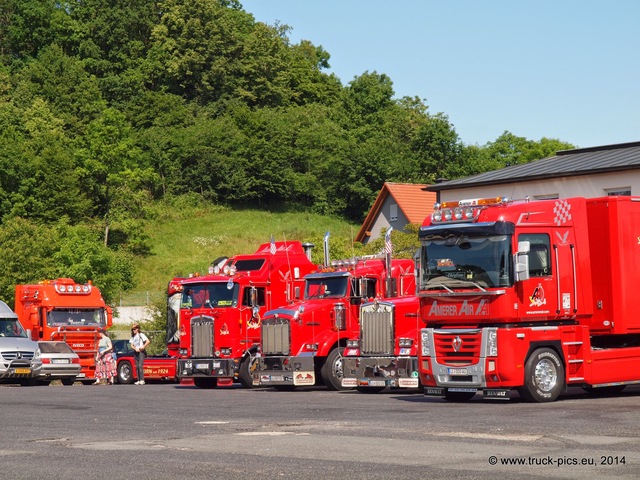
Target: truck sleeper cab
[(529, 296)]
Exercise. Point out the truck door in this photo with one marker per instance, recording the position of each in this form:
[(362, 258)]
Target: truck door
[(539, 294)]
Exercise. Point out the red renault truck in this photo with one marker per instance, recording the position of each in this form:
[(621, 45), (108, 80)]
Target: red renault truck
[(63, 310), (532, 296), (220, 313), (303, 342)]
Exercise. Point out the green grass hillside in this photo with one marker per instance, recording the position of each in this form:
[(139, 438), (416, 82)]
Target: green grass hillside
[(186, 238)]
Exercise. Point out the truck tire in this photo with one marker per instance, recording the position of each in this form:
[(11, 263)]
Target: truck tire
[(543, 376), (125, 373), (331, 371), (244, 372), (205, 382)]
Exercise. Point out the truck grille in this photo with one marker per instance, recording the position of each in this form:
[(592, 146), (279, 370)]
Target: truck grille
[(202, 337), (457, 348), (276, 337), (377, 329), (10, 356)]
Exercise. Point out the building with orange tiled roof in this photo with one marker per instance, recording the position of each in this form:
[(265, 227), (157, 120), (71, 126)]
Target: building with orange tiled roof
[(397, 205)]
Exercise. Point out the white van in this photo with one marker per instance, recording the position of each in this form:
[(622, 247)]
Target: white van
[(20, 360)]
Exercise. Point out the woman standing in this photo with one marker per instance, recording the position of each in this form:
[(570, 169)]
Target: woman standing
[(105, 364), (139, 342)]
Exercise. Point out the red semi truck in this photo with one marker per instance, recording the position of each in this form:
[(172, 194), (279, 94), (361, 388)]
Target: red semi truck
[(385, 352), (62, 310), (304, 341), (533, 296), (220, 313)]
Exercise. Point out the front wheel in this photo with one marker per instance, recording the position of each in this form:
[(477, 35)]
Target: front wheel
[(245, 371), (543, 376), (125, 373), (331, 371)]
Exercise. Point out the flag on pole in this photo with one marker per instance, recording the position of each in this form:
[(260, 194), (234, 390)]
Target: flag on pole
[(388, 246), (272, 247)]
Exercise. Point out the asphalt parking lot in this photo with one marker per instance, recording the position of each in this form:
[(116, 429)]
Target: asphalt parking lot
[(168, 431)]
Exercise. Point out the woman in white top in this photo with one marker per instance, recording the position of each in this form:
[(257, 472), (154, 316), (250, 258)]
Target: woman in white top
[(139, 342)]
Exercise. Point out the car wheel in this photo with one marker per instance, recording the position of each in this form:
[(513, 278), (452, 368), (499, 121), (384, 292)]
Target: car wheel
[(125, 373), (68, 381)]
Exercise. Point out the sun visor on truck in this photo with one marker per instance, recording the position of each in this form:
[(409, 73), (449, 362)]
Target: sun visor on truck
[(472, 229)]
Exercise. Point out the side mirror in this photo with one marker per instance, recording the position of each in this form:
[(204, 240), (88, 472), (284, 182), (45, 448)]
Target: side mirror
[(521, 261), (254, 296)]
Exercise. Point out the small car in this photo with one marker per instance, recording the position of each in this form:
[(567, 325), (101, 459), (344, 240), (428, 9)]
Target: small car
[(156, 367), (59, 362)]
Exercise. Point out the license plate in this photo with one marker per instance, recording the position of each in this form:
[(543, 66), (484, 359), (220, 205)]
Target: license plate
[(457, 371), (216, 364), (277, 378), (202, 366), (377, 383), (60, 360), (22, 370)]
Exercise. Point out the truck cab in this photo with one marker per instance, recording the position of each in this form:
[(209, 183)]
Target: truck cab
[(302, 343), (220, 313)]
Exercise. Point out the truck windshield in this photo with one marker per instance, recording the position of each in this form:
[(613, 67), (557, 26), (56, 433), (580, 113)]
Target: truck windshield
[(212, 295), (326, 287), (11, 328), (460, 259), (77, 317)]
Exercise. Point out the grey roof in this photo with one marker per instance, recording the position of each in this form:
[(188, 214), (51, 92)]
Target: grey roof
[(580, 161)]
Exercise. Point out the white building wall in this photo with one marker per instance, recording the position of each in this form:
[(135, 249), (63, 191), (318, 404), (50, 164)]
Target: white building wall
[(383, 220), (596, 185)]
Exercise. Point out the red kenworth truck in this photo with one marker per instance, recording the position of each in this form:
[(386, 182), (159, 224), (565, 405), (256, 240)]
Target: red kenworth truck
[(220, 313), (63, 310), (385, 352), (303, 342), (532, 296)]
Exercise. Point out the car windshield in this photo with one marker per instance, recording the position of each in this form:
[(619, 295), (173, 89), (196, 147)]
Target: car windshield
[(460, 259), (213, 295), (77, 317), (11, 328), (326, 287)]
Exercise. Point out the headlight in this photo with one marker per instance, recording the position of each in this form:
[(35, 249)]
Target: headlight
[(405, 342), (424, 340), (492, 343), (353, 343), (37, 355)]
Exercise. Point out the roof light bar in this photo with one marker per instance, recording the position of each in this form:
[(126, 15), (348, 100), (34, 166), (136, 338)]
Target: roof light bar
[(464, 210)]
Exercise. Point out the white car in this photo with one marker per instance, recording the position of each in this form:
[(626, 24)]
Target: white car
[(59, 361)]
